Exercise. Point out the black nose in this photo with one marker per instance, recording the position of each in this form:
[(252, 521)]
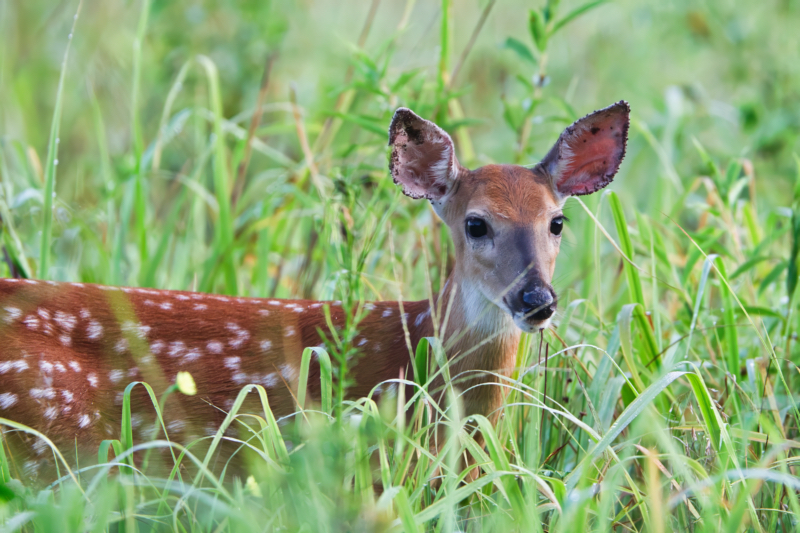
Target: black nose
[(539, 303)]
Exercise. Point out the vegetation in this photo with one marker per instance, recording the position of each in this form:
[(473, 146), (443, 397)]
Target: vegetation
[(239, 147)]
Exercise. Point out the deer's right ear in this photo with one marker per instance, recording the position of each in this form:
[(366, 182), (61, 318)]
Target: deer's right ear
[(423, 160)]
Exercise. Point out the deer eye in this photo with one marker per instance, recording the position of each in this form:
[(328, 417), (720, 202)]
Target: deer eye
[(476, 227), (556, 225)]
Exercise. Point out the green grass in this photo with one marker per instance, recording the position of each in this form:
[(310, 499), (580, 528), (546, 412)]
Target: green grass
[(671, 370)]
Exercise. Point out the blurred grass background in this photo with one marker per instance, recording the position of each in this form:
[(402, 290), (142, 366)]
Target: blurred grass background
[(155, 186)]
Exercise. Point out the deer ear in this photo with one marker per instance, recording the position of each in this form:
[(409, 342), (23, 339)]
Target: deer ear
[(588, 153), (423, 160)]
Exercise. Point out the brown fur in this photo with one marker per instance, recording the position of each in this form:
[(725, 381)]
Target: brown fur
[(69, 350)]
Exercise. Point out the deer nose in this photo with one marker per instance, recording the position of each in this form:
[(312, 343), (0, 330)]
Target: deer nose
[(539, 303)]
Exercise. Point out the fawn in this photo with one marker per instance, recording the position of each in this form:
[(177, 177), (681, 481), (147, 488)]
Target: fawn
[(67, 350)]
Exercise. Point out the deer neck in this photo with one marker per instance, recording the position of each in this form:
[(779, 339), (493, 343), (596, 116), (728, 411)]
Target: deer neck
[(476, 333)]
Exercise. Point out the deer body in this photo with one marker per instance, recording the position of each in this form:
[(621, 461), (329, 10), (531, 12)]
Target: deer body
[(68, 350)]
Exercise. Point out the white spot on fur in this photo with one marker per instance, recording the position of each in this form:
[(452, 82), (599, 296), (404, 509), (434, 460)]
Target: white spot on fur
[(269, 380), (132, 328), (39, 446), (386, 313), (31, 282), (200, 307), (166, 306), (136, 420), (214, 347), (265, 345), (94, 331), (46, 367), (7, 400), (176, 425), (240, 378), (238, 341), (147, 291), (65, 320), (133, 372), (92, 379), (32, 322), (79, 285), (84, 421), (150, 303), (369, 307), (44, 313), (362, 342), (74, 365), (263, 312), (61, 368), (12, 313), (47, 394), (192, 355), (176, 348), (19, 365), (121, 345), (289, 372), (67, 395), (51, 413), (232, 362), (289, 331), (241, 335), (421, 317), (182, 297), (157, 347), (65, 339), (115, 376), (274, 302), (85, 314), (31, 468)]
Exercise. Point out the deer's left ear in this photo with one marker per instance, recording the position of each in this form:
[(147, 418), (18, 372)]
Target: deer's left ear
[(588, 153)]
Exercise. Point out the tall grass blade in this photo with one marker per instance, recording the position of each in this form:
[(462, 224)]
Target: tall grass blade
[(631, 273), (222, 180), (52, 159)]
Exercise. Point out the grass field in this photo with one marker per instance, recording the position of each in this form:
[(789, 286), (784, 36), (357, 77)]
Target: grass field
[(240, 148)]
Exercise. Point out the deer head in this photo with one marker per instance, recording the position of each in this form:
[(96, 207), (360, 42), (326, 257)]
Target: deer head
[(506, 220)]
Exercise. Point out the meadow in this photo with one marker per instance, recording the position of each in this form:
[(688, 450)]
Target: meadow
[(240, 148)]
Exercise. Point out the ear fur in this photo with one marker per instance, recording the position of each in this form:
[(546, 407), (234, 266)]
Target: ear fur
[(588, 153), (423, 160)]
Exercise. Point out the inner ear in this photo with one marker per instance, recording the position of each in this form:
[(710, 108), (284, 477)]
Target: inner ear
[(588, 153), (423, 160)]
